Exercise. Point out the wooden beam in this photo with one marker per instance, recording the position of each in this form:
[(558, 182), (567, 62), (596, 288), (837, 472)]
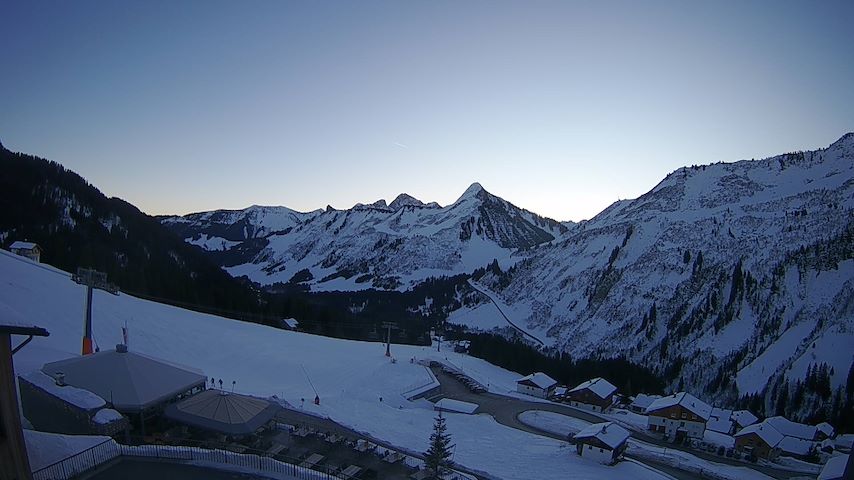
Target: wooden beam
[(14, 463)]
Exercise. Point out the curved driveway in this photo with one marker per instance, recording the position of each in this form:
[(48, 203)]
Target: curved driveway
[(506, 411)]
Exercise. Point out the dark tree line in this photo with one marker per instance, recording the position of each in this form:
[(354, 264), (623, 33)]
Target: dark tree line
[(78, 226), (630, 378)]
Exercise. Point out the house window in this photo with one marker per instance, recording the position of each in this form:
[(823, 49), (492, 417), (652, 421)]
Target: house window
[(684, 415), (589, 447), (601, 451)]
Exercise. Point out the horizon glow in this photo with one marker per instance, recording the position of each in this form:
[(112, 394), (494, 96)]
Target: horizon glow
[(561, 108)]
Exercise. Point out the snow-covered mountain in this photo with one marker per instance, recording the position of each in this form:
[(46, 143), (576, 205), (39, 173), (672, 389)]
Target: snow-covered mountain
[(725, 278), (379, 245)]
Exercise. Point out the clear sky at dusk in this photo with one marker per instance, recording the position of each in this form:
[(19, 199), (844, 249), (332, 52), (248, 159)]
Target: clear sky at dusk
[(558, 107)]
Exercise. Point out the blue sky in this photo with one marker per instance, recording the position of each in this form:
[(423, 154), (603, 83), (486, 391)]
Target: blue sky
[(559, 107)]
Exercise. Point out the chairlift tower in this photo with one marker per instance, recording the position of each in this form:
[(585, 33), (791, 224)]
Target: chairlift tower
[(92, 279), (389, 326)]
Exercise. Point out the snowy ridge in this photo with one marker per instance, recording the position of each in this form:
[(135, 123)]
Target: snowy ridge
[(379, 245)]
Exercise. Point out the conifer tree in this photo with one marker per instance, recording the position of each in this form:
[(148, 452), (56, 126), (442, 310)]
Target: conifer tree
[(438, 457)]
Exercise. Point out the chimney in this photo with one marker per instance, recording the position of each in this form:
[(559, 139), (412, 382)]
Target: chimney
[(60, 379)]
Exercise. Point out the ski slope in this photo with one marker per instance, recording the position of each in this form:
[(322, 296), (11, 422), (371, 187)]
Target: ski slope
[(358, 386)]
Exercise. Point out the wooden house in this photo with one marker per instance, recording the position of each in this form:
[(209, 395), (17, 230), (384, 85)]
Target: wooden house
[(27, 249), (536, 384), (596, 394), (679, 416), (760, 440), (602, 442)]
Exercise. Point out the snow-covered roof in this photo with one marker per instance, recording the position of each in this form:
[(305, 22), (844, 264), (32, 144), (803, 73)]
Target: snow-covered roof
[(719, 420), (844, 441), (290, 322), (223, 412), (22, 245), (601, 387), (795, 446), (643, 400), (130, 381), (834, 468), (539, 379), (78, 397), (451, 405), (684, 399), (792, 429), (825, 428), (608, 433), (106, 415), (744, 418), (766, 432)]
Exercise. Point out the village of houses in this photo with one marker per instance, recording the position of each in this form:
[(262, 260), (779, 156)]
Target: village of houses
[(682, 418)]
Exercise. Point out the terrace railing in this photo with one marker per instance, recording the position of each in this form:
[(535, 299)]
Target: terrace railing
[(81, 462)]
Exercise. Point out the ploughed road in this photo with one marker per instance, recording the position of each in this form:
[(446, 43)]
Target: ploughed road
[(506, 411)]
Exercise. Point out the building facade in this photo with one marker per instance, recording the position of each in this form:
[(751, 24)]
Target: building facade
[(679, 416)]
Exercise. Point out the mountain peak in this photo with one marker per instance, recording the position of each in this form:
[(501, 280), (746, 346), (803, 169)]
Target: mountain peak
[(404, 200), (473, 191), (845, 140)]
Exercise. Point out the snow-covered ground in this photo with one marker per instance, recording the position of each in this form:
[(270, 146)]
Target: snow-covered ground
[(553, 422), (630, 420), (350, 377), (686, 461), (45, 449)]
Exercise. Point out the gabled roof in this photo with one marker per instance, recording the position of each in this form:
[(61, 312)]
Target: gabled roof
[(129, 380), (744, 418), (766, 432), (685, 400), (719, 420), (599, 386), (223, 412), (643, 400), (608, 433), (834, 469), (825, 428), (22, 245), (539, 379), (290, 322), (792, 429)]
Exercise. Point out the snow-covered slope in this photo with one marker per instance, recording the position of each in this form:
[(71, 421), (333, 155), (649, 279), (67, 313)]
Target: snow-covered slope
[(722, 276), (357, 384), (384, 246)]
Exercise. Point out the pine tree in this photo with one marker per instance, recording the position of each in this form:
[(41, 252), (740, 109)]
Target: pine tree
[(437, 460)]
